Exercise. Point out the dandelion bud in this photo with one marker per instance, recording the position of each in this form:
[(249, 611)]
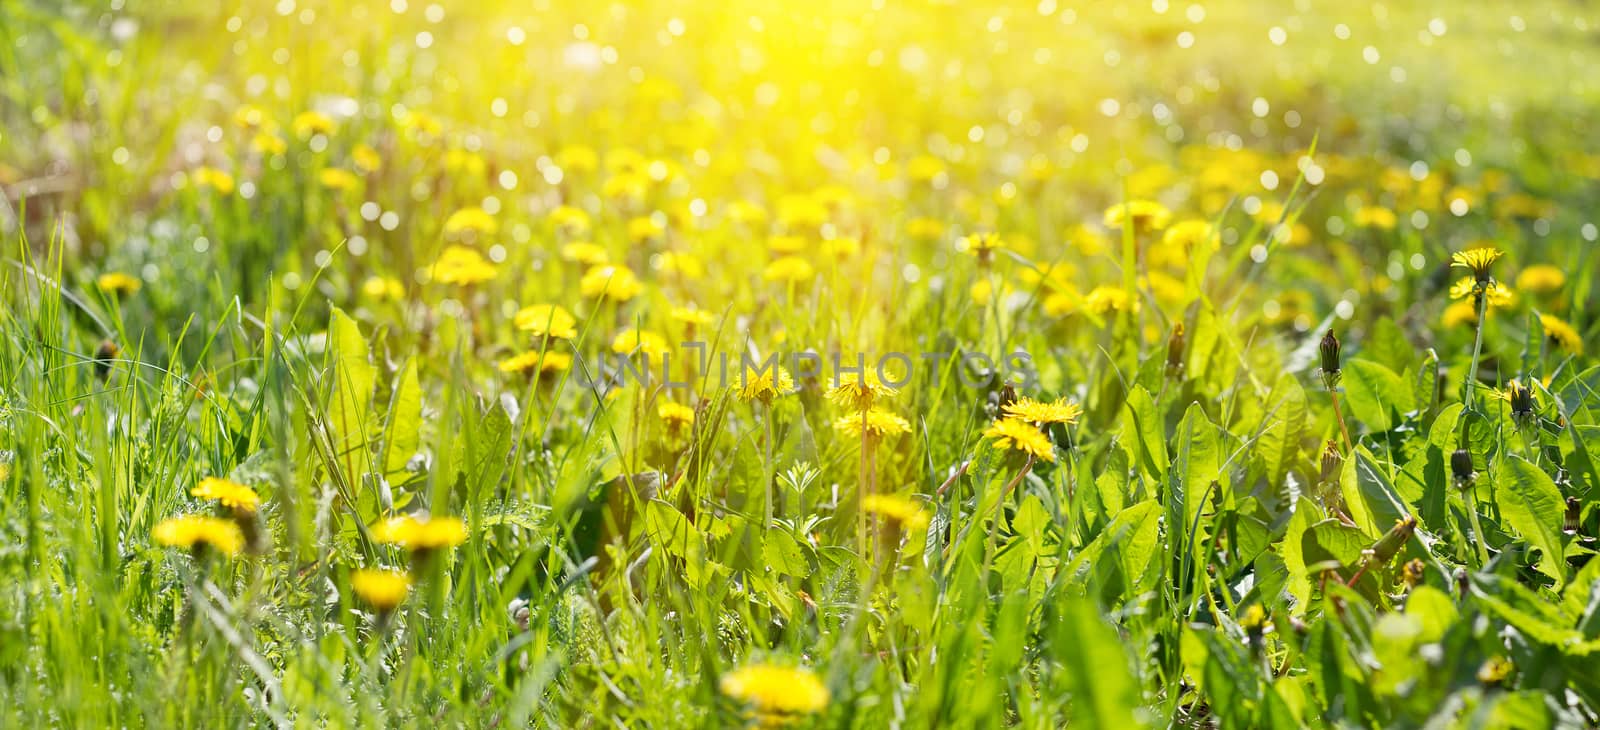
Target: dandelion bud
[(1461, 467), (1175, 346), (1521, 399), (1328, 349), (1413, 572), (1391, 542), (1332, 462), (103, 355), (1495, 672)]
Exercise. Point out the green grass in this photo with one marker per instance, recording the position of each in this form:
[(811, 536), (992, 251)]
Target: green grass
[(1216, 541)]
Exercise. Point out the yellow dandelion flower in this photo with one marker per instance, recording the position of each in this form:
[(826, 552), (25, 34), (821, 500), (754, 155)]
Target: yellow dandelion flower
[(925, 229), (981, 245), (211, 177), (198, 532), (645, 228), (1059, 304), (585, 253), (578, 158), (1011, 433), (1561, 333), (268, 144), (542, 320), (860, 391), (471, 219), (569, 219), (383, 287), (366, 158), (335, 178), (310, 123), (775, 693), (901, 511), (630, 341), (463, 266), (233, 495), (791, 269), (1499, 295), (691, 316), (1185, 235), (1375, 216), (384, 590), (1477, 259), (1458, 314), (787, 244), (681, 263), (676, 416), (249, 116), (746, 213), (1032, 411), (617, 283), (880, 424), (535, 362), (924, 168), (843, 247), (764, 384), (428, 533), (117, 283), (1106, 299), (1541, 279), (1146, 215)]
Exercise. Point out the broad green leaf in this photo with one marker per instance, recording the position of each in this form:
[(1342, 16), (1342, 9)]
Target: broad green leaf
[(1372, 500), (1143, 433), (1532, 505), (350, 401), (1093, 669), (1377, 396), (1386, 344), (1197, 464), (1279, 444), (784, 555), (405, 421)]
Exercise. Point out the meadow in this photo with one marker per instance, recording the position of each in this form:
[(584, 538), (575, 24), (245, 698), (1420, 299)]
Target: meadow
[(829, 364)]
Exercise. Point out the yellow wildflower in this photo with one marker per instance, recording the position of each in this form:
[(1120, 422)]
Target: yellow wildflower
[(1477, 259), (233, 495), (764, 384), (676, 416), (880, 424), (1375, 216), (543, 320), (464, 266), (1146, 215), (630, 341), (117, 283), (585, 253), (614, 282), (860, 391), (1032, 411), (470, 219), (309, 123), (428, 533), (901, 511), (1561, 333), (1011, 433), (776, 694), (211, 177), (384, 590), (1107, 299), (197, 532), (791, 269), (533, 361), (1541, 279), (335, 178)]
